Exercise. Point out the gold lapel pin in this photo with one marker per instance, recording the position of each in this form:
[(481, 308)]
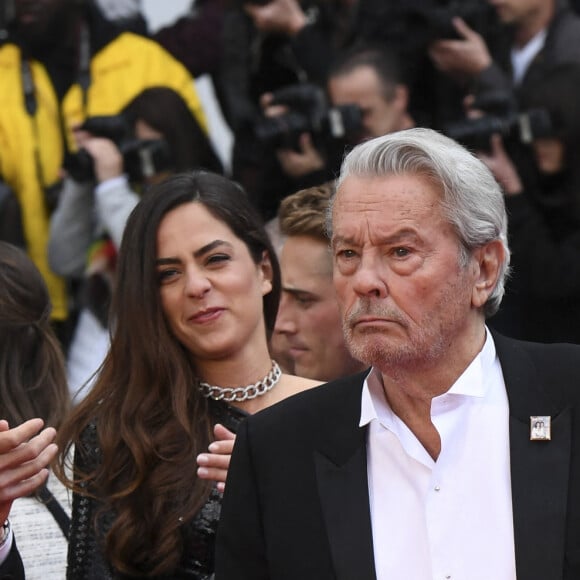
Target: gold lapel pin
[(540, 428)]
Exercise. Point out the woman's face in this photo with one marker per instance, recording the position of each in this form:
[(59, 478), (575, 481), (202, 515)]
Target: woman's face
[(211, 289), (549, 153), (144, 131)]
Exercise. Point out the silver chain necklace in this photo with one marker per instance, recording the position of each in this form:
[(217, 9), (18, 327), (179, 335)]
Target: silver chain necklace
[(238, 394)]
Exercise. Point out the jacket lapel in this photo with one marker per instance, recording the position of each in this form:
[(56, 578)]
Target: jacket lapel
[(539, 469), (341, 473)]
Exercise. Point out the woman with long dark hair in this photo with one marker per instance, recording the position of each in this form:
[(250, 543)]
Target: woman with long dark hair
[(155, 136), (197, 291)]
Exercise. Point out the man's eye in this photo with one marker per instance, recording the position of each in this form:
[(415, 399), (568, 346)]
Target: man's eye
[(346, 254), (304, 301), (401, 252)]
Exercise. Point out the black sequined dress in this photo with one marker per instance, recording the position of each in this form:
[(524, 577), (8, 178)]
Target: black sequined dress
[(85, 557)]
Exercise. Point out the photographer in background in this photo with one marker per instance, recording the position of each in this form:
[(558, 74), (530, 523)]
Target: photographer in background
[(119, 157), (268, 45), (542, 301), (62, 62), (365, 85), (539, 34)]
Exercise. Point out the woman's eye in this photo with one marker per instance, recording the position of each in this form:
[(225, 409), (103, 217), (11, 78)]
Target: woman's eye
[(218, 258), (166, 275)]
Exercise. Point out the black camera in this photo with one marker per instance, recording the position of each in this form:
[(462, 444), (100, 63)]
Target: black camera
[(502, 117), (141, 158), (309, 112), (436, 22)]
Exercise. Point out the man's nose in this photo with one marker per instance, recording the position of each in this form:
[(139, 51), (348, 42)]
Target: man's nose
[(370, 278), (285, 323)]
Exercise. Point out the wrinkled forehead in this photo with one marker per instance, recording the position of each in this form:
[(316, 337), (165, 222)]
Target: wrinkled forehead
[(359, 191)]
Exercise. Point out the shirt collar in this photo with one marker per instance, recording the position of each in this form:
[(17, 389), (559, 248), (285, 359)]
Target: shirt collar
[(471, 383)]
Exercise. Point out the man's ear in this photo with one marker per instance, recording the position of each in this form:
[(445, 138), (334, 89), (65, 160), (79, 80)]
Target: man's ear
[(267, 272), (401, 97), (488, 260)]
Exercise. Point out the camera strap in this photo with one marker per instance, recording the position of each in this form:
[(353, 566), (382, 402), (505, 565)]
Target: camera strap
[(31, 102), (84, 68)]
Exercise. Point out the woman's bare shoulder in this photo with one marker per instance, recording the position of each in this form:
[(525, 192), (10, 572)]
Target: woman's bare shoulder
[(292, 384)]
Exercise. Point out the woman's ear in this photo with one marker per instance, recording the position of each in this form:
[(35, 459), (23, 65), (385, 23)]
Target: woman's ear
[(267, 272)]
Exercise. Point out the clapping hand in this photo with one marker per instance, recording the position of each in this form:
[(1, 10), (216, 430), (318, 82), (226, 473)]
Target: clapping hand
[(24, 455)]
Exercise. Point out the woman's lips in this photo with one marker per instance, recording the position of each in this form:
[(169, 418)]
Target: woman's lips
[(208, 315)]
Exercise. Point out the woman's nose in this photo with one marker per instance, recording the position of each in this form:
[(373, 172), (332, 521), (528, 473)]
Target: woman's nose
[(196, 284)]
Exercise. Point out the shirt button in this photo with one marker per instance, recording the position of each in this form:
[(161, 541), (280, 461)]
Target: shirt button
[(437, 488)]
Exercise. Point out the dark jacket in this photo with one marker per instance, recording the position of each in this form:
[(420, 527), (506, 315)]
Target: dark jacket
[(561, 46), (297, 505)]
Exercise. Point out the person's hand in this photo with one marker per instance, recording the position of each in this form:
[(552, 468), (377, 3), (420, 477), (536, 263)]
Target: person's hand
[(214, 465), (271, 109), (278, 16), (107, 159), (306, 160), (24, 455), (465, 57), (502, 167)]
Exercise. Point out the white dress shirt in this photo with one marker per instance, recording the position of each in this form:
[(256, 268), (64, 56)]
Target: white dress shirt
[(522, 57), (449, 519)]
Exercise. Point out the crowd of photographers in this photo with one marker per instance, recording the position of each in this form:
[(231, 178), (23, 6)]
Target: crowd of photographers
[(94, 108), (299, 82), (501, 77)]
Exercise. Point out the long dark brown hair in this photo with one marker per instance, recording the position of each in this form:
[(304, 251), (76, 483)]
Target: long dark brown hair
[(151, 420), (32, 370), (164, 110)]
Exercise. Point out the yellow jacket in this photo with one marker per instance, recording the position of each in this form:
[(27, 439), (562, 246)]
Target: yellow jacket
[(119, 72)]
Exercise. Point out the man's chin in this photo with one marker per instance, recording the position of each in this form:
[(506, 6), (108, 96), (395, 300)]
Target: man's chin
[(375, 349)]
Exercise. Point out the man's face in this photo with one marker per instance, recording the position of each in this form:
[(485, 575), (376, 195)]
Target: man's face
[(361, 87), (309, 323), (406, 300), (518, 11), (550, 154)]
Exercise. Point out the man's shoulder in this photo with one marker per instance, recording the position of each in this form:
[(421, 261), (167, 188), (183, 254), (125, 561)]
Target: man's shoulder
[(564, 32), (10, 64), (554, 367), (130, 44), (542, 353)]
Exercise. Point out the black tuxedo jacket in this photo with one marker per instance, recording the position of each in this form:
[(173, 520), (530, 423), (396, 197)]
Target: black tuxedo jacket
[(296, 505), (11, 568)]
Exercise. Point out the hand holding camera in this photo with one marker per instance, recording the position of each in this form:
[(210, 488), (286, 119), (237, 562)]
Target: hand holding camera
[(108, 148), (277, 16), (500, 164), (304, 108), (107, 159), (466, 56), (302, 161)]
